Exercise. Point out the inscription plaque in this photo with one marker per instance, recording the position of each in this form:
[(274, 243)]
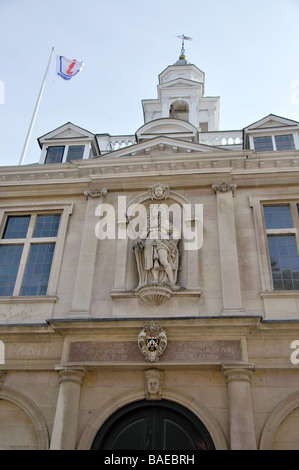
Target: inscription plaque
[(201, 351), (204, 351)]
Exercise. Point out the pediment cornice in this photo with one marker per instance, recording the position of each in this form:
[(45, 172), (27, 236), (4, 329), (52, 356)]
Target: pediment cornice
[(161, 145), (271, 122), (67, 131)]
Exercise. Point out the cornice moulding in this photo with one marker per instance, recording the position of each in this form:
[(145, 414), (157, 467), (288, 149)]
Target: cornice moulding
[(244, 164)]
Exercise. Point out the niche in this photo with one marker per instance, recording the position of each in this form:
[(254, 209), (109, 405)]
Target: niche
[(179, 110)]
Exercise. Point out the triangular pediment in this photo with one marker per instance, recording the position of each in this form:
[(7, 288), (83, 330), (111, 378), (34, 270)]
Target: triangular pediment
[(272, 121), (180, 82), (162, 146), (67, 131)]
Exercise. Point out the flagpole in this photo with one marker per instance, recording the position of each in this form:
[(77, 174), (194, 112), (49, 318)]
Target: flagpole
[(35, 111)]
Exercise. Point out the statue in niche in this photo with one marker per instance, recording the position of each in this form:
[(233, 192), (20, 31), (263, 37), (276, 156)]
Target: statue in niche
[(156, 249), (153, 384), (172, 112)]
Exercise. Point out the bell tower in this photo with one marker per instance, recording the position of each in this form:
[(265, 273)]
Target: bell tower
[(181, 96)]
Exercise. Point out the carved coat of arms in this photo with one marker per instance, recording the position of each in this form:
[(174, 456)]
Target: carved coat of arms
[(152, 341)]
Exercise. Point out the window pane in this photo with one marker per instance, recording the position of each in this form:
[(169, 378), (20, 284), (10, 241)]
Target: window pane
[(54, 154), (284, 261), (278, 216), (46, 226), (75, 152), (263, 144), (16, 227), (285, 142), (38, 269), (10, 256)]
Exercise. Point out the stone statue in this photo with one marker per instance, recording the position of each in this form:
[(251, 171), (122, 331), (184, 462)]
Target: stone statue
[(156, 249)]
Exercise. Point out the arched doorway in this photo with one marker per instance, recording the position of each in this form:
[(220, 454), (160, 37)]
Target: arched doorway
[(153, 425)]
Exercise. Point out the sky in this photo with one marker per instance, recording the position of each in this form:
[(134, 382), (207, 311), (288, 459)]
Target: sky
[(249, 52)]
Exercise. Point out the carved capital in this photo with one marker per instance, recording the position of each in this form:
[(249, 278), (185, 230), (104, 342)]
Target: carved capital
[(75, 375), (224, 188), (238, 372), (95, 193)]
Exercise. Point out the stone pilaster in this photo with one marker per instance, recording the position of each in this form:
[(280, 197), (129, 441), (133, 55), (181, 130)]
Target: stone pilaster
[(230, 275), (87, 257), (242, 429), (67, 409)]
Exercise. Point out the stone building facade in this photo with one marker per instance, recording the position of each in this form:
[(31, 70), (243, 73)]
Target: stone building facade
[(111, 333)]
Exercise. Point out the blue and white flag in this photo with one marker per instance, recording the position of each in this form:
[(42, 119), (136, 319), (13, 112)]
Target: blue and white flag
[(68, 68)]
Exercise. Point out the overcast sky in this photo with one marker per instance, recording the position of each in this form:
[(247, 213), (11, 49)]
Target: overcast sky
[(249, 52)]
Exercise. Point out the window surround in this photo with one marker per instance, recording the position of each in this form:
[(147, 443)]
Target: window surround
[(65, 210), (257, 202)]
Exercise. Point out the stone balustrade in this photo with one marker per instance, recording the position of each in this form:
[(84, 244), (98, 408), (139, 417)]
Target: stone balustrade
[(229, 139), (221, 138), (109, 143)]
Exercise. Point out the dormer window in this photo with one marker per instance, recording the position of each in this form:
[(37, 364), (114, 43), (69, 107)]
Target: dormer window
[(68, 143), (272, 134), (274, 142)]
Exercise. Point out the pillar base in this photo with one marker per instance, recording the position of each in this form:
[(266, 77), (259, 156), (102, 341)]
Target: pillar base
[(67, 408), (233, 311), (241, 419), (79, 314)]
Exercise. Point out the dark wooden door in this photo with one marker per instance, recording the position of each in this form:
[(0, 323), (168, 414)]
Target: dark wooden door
[(159, 425)]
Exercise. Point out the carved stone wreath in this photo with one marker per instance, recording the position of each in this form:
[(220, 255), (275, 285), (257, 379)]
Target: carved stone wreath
[(152, 341)]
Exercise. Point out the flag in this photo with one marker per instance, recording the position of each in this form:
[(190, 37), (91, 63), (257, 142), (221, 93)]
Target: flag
[(185, 37), (68, 68)]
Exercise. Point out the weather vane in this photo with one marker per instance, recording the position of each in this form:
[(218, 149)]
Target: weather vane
[(183, 38)]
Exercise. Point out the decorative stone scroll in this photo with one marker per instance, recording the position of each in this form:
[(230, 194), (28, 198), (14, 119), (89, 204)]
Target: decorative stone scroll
[(152, 341), (95, 193), (155, 294)]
